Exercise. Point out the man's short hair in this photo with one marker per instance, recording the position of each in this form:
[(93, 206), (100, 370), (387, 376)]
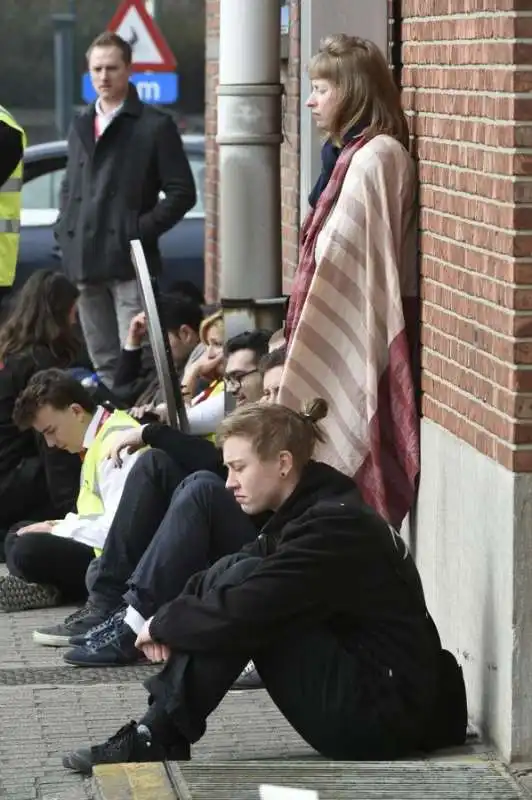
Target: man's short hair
[(50, 387), (176, 311), (188, 290), (257, 341), (109, 39), (275, 358)]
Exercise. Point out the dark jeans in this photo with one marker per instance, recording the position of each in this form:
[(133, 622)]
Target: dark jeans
[(47, 559), (203, 523), (145, 499), (338, 706), (165, 529)]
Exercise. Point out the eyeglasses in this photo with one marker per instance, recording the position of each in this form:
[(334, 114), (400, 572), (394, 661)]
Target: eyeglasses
[(234, 379)]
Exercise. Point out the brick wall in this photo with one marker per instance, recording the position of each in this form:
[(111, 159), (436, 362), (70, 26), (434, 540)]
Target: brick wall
[(289, 152), (469, 98), (211, 151), (290, 77)]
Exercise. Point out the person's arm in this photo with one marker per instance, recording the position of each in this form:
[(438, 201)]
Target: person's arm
[(93, 532), (129, 367), (288, 586), (204, 418), (11, 150), (176, 180), (194, 452)]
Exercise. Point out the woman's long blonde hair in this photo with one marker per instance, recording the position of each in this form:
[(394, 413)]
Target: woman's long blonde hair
[(366, 89)]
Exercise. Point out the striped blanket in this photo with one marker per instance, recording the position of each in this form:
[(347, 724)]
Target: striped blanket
[(353, 339)]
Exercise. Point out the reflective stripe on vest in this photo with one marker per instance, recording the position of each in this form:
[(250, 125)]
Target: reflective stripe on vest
[(11, 185), (90, 502), (10, 203)]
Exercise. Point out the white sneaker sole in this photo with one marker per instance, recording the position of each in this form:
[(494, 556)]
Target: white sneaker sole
[(49, 640)]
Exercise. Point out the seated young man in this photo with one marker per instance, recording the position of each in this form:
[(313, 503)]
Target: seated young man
[(135, 382), (327, 602), (151, 502), (48, 560)]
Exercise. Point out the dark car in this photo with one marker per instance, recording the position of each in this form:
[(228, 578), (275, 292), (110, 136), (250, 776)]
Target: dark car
[(182, 247)]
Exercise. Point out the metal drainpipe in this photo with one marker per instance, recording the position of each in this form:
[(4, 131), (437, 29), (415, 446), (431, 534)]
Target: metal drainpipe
[(249, 139)]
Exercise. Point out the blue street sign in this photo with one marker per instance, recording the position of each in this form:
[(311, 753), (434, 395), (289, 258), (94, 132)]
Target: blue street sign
[(153, 87)]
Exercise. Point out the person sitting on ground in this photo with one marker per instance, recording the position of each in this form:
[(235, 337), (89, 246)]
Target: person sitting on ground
[(38, 333), (48, 560), (162, 527), (327, 602), (271, 368), (138, 385)]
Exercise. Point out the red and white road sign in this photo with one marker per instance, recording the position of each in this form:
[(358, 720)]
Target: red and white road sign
[(151, 52)]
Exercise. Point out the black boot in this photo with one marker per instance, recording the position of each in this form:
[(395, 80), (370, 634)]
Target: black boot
[(128, 745)]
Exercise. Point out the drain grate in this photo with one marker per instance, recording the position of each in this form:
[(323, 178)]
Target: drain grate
[(70, 675), (405, 780)]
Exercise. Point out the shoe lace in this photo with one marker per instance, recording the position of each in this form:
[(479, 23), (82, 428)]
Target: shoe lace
[(126, 736), (81, 613), (107, 631)]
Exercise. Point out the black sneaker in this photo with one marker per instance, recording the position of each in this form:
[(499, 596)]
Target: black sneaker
[(113, 645), (81, 621), (83, 638), (19, 595), (128, 745), (248, 679)]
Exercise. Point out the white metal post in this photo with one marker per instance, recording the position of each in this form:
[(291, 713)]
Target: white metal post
[(249, 138)]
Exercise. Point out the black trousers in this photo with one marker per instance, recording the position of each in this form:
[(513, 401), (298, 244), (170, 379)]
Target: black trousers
[(47, 559), (165, 530), (339, 707)]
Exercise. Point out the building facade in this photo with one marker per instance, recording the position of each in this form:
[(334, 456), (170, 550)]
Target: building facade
[(465, 70)]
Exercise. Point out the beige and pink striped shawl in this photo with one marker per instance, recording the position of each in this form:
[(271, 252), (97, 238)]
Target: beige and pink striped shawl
[(351, 345)]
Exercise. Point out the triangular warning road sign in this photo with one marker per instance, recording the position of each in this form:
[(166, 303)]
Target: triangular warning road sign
[(150, 49)]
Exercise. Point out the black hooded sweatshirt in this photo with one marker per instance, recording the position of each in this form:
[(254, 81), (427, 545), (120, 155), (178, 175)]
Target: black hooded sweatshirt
[(327, 560)]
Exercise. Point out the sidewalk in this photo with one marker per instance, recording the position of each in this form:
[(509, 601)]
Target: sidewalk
[(47, 707)]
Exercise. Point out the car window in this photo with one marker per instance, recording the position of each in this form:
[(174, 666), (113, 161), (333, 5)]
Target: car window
[(42, 192), (197, 165)]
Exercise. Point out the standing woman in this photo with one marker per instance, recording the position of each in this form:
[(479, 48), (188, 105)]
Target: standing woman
[(352, 323), (36, 482)]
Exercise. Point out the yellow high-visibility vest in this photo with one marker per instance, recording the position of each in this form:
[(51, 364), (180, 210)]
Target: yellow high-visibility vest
[(90, 503), (10, 202)]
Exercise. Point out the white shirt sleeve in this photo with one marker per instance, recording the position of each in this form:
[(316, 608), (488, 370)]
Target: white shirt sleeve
[(207, 415), (94, 532)]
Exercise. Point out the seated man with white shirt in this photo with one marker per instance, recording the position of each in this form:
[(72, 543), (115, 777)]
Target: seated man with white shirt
[(48, 561)]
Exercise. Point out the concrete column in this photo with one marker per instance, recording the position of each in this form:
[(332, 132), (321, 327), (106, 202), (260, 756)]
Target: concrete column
[(365, 18), (249, 139)]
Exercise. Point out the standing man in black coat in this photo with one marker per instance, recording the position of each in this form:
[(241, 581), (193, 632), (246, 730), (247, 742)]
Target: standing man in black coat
[(121, 155)]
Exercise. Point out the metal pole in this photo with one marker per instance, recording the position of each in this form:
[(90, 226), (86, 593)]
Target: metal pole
[(64, 70), (249, 138)]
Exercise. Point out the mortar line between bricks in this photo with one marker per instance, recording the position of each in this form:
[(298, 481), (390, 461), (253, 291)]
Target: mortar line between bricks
[(501, 256), (510, 312), (475, 146), (470, 40), (477, 401), (489, 94), (498, 123), (467, 67), (510, 14), (478, 325), (479, 197), (475, 274), (476, 222), (515, 448), (472, 171), (453, 363)]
